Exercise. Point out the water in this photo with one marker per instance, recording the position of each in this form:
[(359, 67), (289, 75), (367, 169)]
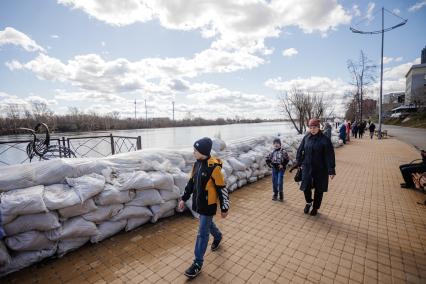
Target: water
[(175, 138)]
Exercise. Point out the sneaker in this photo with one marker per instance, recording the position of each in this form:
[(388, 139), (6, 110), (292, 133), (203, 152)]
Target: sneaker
[(314, 212), (215, 244), (281, 197), (193, 271), (307, 208), (274, 197), (404, 185)]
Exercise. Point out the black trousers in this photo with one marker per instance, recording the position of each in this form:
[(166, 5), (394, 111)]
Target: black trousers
[(408, 169), (317, 197)]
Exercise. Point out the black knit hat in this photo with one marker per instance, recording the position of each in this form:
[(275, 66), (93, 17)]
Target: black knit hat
[(204, 146), (277, 140)]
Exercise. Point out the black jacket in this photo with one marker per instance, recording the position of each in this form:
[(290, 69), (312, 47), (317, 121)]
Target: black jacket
[(207, 186), (316, 156)]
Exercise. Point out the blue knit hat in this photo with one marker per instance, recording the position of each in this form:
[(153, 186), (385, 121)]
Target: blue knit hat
[(204, 146)]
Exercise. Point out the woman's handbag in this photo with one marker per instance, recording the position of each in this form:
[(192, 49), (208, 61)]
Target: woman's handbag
[(298, 175)]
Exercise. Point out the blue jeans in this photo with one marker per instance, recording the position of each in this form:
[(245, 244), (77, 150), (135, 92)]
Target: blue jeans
[(206, 227), (277, 180)]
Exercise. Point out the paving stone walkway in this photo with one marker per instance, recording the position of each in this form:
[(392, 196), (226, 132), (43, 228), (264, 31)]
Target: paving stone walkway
[(368, 231)]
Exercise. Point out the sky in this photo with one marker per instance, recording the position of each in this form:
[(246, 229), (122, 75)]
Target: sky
[(213, 58)]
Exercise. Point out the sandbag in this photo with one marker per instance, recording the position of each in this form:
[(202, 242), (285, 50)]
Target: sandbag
[(23, 201), (252, 179), (246, 159), (241, 175), (249, 173), (132, 212), (162, 180), (160, 210), (180, 179), (65, 246), (58, 196), (72, 228), (231, 179), (39, 222), (87, 186), (188, 205), (79, 209), (108, 229), (103, 213), (112, 195), (236, 165), (133, 223), (241, 183), (167, 195), (24, 259), (133, 180), (146, 197), (227, 168), (233, 187), (4, 254), (175, 159), (218, 145), (31, 240)]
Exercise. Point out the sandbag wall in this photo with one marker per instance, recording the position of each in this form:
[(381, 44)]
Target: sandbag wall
[(50, 208)]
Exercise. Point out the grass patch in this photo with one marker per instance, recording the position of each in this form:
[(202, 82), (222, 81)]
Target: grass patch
[(417, 120)]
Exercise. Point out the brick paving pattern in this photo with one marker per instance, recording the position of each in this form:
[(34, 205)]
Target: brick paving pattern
[(369, 230)]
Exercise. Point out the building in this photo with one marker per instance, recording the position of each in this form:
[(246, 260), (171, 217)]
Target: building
[(415, 85), (392, 100)]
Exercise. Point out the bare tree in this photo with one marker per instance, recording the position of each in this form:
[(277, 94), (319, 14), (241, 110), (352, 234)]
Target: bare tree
[(363, 73)]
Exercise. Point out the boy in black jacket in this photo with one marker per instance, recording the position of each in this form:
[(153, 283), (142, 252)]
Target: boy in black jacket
[(277, 160), (207, 186)]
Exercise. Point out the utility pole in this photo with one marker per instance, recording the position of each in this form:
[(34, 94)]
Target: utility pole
[(382, 32), (146, 113), (173, 104), (135, 109)]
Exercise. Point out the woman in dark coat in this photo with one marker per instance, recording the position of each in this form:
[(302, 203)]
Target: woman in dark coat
[(316, 158)]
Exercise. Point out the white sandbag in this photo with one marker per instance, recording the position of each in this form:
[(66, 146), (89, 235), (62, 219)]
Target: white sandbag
[(133, 223), (255, 173), (252, 179), (24, 259), (23, 201), (180, 179), (169, 195), (162, 180), (31, 240), (79, 209), (72, 228), (133, 180), (249, 173), (255, 166), (246, 159), (4, 255), (111, 195), (132, 212), (65, 246), (159, 211), (227, 168), (241, 183), (218, 144), (175, 159), (87, 186), (260, 176), (233, 187), (236, 165), (39, 222), (188, 205), (58, 196), (231, 179), (103, 213), (108, 229), (169, 213), (146, 197), (241, 175)]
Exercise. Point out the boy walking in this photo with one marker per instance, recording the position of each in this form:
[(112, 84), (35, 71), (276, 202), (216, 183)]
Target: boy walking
[(277, 160), (207, 186)]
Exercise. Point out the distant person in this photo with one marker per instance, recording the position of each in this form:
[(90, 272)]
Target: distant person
[(315, 156), (277, 160), (355, 129), (207, 186), (361, 129), (342, 133), (336, 122), (410, 170), (348, 131), (327, 130), (372, 127)]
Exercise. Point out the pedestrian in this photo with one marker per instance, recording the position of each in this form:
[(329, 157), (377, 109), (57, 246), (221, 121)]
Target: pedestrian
[(361, 128), (407, 170), (342, 133), (348, 131), (355, 129), (327, 130), (207, 186), (372, 127), (277, 160), (315, 156)]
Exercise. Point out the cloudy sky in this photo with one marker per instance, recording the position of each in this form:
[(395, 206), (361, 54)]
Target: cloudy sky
[(218, 58)]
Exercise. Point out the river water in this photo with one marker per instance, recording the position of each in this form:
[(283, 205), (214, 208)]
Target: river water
[(178, 137)]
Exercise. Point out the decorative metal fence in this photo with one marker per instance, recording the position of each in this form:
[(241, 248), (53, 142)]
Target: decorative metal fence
[(18, 151)]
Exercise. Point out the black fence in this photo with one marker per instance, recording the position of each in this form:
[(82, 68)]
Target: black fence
[(15, 151)]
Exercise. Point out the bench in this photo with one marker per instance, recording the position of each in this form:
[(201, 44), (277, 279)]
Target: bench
[(384, 133)]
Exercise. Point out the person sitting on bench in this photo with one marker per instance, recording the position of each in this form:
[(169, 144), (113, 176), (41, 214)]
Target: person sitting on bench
[(407, 170)]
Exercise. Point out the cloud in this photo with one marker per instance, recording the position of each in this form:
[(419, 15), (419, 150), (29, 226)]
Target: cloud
[(289, 52), (25, 103), (370, 9), (396, 11), (417, 6), (387, 60), (11, 36), (356, 11), (399, 71), (54, 36)]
